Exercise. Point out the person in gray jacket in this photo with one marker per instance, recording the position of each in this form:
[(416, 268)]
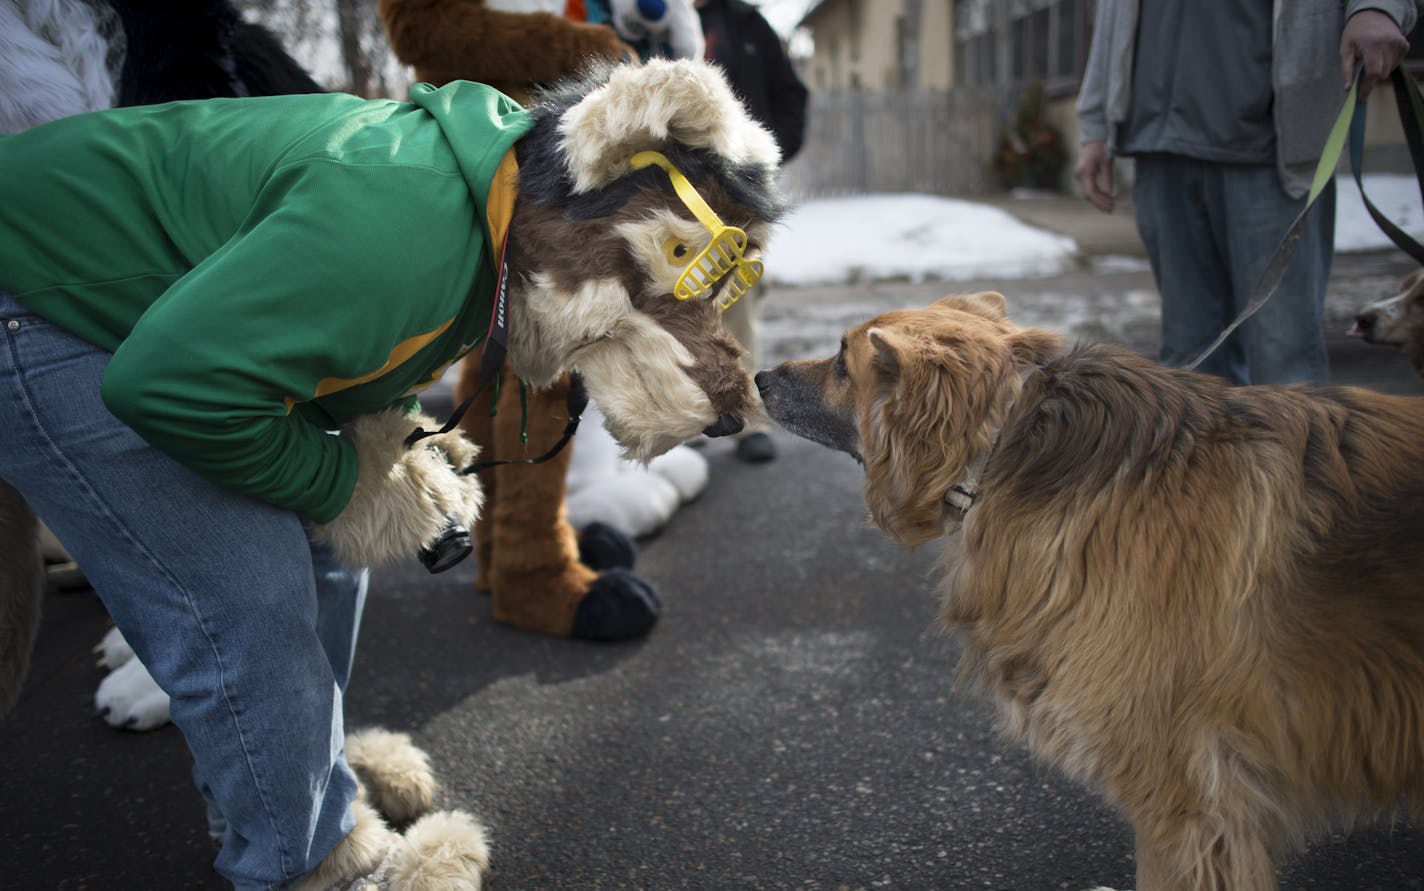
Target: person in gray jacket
[(1225, 108)]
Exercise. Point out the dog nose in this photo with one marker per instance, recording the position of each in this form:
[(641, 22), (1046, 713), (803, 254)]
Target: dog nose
[(1364, 323), (763, 381), (725, 425)]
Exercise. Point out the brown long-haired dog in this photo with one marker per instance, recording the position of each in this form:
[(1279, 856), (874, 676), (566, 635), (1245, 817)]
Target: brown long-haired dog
[(1206, 601)]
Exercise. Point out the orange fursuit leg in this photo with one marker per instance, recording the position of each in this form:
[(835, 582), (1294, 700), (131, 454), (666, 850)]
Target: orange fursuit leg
[(528, 553)]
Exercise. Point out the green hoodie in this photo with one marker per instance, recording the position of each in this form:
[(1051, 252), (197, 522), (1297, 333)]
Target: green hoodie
[(263, 269)]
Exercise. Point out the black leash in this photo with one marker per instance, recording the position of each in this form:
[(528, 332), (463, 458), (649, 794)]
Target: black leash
[(491, 361), (1411, 118), (1351, 122)]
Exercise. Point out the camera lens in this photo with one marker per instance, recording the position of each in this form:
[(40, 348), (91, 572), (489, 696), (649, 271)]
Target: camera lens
[(451, 547)]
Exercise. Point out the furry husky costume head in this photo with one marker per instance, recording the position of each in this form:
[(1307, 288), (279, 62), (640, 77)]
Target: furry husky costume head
[(595, 245)]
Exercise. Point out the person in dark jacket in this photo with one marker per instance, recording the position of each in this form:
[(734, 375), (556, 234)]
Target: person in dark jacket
[(750, 51)]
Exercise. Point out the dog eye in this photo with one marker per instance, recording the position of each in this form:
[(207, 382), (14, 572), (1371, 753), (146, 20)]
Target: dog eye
[(677, 251)]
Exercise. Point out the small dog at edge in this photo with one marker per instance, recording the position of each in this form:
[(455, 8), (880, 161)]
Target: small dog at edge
[(1397, 321), (1205, 601)]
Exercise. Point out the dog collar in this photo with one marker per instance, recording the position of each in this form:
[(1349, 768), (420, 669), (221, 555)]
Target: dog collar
[(962, 495)]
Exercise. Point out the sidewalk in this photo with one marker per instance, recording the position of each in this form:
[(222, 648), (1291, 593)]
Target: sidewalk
[(1098, 234)]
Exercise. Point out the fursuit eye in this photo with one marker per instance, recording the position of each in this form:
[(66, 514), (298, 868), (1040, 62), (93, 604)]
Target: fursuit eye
[(677, 251)]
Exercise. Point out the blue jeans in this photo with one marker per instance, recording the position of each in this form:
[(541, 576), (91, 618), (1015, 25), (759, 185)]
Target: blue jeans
[(1210, 229), (249, 629)]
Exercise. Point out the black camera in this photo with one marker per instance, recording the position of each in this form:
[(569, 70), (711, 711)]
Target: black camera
[(451, 547)]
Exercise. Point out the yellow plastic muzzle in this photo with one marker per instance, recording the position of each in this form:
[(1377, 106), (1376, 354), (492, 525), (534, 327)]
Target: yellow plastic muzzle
[(724, 254)]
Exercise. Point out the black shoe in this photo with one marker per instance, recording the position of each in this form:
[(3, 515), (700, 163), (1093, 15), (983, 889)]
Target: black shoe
[(602, 546), (755, 448)]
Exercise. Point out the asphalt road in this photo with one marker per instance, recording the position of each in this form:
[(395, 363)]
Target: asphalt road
[(791, 722)]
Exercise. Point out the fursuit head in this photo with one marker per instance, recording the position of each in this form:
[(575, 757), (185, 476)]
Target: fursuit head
[(603, 237), (1397, 320), (1205, 601)]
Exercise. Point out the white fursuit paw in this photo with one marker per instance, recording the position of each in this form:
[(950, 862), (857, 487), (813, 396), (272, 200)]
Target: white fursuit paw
[(129, 699), (394, 774), (113, 650), (636, 500)]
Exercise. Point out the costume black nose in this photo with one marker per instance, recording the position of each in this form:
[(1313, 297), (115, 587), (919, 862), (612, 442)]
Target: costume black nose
[(725, 425)]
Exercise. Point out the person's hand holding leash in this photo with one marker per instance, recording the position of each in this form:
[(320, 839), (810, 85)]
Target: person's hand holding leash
[(1372, 40)]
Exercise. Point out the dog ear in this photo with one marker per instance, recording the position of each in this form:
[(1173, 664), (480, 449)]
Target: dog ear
[(647, 106), (989, 304), (1413, 282), (887, 347), (1035, 346)]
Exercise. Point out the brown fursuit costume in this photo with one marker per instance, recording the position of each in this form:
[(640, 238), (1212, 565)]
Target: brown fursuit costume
[(1204, 600), (528, 554)]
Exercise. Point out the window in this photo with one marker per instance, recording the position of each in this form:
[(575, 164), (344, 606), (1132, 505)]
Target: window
[(1046, 41)]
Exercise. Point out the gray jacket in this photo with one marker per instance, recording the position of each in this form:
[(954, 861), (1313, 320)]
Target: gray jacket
[(1305, 66)]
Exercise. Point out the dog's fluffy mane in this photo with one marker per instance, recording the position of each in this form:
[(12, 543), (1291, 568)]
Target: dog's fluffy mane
[(568, 161)]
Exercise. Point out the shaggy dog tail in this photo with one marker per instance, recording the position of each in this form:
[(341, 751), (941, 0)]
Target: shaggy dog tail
[(21, 587)]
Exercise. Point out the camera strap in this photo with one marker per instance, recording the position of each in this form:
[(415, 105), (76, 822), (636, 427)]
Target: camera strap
[(491, 361)]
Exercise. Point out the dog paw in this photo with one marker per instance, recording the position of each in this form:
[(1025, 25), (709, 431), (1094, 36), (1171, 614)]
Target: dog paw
[(394, 773), (113, 650), (618, 606), (602, 546), (129, 698)]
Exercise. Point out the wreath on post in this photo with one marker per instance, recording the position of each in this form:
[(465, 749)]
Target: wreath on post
[(1030, 153)]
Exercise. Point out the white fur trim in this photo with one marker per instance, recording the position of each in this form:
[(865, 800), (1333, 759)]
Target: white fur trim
[(359, 854), (395, 774), (647, 106), (645, 240), (130, 699), (553, 7), (680, 27), (685, 469), (638, 376), (113, 649), (53, 62), (547, 326), (635, 499), (443, 851), (403, 497)]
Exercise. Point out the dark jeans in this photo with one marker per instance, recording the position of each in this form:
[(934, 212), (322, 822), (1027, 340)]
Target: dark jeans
[(1210, 229)]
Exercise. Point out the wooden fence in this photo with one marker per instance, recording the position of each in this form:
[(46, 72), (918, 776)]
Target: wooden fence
[(933, 142)]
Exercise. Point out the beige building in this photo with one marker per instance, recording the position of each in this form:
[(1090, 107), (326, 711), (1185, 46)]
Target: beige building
[(961, 67)]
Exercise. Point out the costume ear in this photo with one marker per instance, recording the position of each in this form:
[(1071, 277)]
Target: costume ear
[(647, 106)]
